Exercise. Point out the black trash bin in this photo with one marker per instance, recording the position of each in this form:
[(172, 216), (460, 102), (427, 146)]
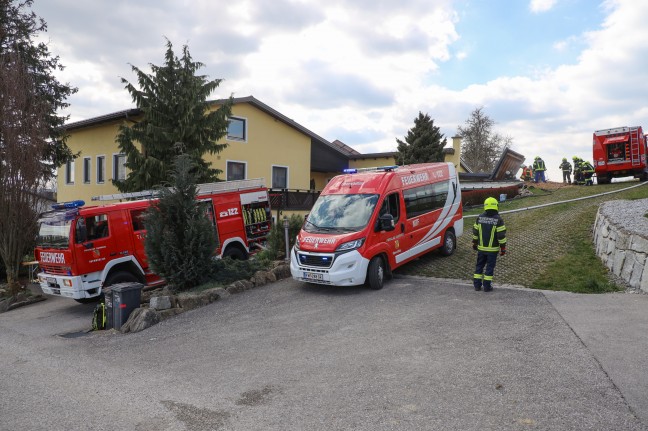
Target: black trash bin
[(125, 298)]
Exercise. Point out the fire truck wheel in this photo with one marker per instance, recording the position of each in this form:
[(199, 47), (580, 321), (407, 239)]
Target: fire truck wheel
[(234, 253), (120, 277), (376, 273), (449, 243)]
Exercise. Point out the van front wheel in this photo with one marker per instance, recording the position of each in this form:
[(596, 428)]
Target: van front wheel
[(376, 273), (449, 243)]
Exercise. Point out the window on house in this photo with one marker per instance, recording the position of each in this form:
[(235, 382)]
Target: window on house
[(101, 169), (237, 129), (86, 170), (279, 177), (119, 167), (69, 172), (236, 171)]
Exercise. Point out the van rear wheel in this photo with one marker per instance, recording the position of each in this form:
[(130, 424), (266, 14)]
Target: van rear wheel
[(376, 273), (449, 243)]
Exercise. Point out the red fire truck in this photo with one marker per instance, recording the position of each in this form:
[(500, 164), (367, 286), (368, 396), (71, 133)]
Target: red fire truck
[(620, 152), (82, 249)]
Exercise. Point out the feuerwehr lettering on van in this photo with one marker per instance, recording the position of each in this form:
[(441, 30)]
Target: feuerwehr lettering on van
[(415, 178)]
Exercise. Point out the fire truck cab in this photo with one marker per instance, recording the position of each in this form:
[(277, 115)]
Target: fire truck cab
[(619, 152), (367, 223), (82, 249)]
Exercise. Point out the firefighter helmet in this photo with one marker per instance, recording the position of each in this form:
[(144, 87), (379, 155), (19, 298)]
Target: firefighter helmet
[(564, 159), (490, 204)]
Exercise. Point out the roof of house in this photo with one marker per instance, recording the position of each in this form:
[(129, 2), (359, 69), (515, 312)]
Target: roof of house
[(131, 114)]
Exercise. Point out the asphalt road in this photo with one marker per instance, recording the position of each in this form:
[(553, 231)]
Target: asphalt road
[(420, 354)]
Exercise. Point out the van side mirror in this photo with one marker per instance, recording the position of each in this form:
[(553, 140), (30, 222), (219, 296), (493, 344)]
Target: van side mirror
[(386, 222)]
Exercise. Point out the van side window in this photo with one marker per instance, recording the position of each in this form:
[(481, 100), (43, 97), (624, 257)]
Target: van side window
[(137, 218), (97, 227), (391, 205), (424, 199)]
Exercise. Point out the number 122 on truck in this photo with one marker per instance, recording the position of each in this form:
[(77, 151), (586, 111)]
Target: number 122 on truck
[(367, 223)]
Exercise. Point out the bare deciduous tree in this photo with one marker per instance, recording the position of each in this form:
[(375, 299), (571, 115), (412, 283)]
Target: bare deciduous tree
[(481, 147), (23, 136)]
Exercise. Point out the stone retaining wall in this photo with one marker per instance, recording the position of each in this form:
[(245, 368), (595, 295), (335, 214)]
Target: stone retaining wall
[(621, 240)]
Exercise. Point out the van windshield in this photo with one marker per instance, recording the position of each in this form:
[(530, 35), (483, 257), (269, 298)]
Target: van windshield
[(54, 229), (347, 213)]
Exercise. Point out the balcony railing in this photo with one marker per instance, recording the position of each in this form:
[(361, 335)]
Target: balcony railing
[(292, 199)]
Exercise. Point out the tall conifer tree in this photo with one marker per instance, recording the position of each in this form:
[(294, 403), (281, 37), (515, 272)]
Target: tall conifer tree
[(424, 143), (177, 119)]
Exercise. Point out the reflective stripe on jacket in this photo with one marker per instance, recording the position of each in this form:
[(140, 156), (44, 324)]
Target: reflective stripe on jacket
[(489, 231), (539, 165)]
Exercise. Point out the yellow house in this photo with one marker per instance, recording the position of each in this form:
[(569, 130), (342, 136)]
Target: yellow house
[(261, 143), (294, 162)]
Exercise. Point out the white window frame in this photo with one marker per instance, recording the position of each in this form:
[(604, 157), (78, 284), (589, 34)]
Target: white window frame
[(87, 170), (245, 129), (101, 161), (272, 175), (227, 162), (114, 167), (69, 172)]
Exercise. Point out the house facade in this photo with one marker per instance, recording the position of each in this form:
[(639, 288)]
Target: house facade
[(261, 143)]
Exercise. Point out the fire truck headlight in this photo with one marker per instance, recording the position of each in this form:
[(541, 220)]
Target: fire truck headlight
[(67, 283), (351, 245)]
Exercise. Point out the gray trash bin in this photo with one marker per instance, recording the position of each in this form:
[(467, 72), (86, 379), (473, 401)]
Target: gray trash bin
[(108, 306), (125, 298)]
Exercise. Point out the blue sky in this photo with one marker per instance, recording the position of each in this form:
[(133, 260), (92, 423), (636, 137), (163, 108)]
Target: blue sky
[(501, 37), (548, 72)]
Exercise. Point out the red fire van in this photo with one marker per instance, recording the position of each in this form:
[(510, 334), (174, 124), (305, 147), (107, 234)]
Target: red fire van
[(367, 223)]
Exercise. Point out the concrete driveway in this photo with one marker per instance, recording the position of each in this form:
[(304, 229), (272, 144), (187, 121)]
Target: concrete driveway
[(420, 354)]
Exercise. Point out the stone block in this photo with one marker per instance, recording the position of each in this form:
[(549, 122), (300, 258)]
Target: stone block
[(639, 244), (160, 302), (140, 319), (165, 314), (617, 261), (643, 285)]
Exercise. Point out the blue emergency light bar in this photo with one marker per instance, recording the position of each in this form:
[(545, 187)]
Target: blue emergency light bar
[(68, 205), (377, 168)]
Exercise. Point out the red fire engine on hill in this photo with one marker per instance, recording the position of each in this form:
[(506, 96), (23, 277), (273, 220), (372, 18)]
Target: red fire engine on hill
[(620, 152), (82, 249)]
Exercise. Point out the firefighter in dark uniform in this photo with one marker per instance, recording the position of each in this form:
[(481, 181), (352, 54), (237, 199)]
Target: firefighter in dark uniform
[(489, 239), (578, 171), (566, 170), (539, 169), (588, 172)]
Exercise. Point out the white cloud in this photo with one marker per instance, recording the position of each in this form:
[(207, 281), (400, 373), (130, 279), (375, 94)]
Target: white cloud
[(539, 6)]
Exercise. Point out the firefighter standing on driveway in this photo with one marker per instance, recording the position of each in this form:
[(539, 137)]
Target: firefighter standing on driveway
[(539, 168), (566, 170), (489, 239)]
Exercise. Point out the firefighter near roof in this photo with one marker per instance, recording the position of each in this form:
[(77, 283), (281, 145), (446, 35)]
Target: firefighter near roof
[(489, 240)]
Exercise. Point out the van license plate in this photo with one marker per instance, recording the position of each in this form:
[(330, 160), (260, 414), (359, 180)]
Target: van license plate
[(313, 276)]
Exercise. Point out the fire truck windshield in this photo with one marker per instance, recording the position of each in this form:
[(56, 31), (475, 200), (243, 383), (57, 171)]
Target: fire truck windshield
[(347, 213), (54, 230)]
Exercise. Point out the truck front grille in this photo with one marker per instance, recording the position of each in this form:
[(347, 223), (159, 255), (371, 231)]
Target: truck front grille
[(316, 260)]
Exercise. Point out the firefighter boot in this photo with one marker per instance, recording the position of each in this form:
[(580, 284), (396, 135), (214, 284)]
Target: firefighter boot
[(477, 283), (488, 287)]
